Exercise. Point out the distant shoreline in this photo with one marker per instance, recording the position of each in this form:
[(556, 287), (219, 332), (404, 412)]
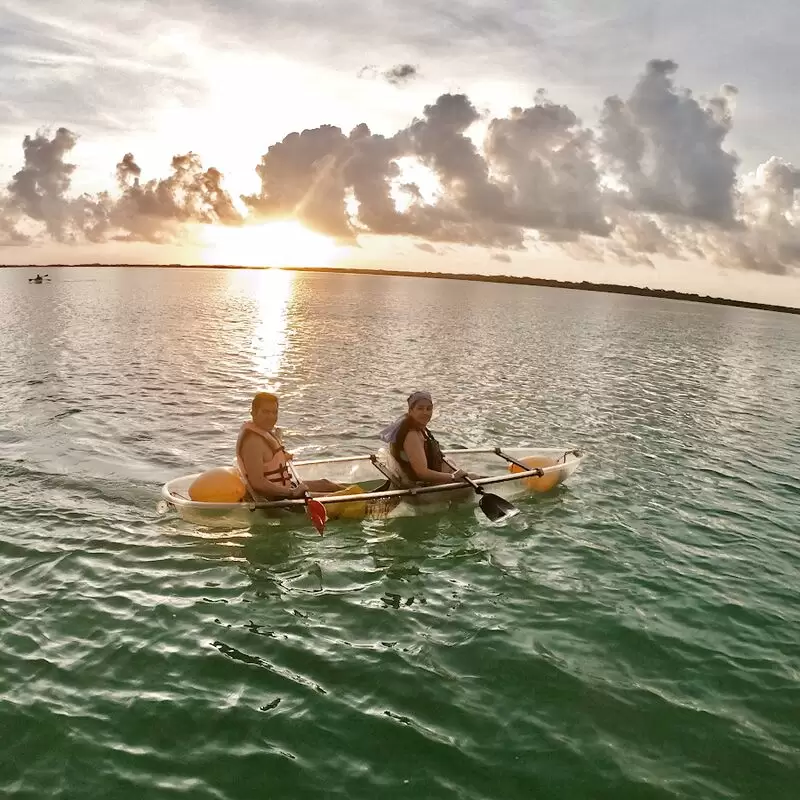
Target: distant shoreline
[(586, 286)]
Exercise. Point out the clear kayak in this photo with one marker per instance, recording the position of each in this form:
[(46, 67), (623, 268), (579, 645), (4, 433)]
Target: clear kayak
[(492, 464)]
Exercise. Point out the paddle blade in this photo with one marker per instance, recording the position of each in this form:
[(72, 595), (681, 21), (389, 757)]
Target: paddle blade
[(317, 514), (496, 507)]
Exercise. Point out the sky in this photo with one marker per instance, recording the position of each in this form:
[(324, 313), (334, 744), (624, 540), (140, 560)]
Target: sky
[(628, 141)]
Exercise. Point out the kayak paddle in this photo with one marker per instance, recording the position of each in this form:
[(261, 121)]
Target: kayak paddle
[(317, 512), (494, 506)]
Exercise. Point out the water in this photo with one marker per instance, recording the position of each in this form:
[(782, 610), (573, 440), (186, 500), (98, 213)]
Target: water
[(636, 635)]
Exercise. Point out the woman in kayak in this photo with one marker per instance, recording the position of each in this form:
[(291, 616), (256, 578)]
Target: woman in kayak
[(414, 448)]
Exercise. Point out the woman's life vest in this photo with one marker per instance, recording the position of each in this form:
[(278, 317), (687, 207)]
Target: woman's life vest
[(396, 461)]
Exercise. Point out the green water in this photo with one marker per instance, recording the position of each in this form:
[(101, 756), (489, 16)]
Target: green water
[(635, 635)]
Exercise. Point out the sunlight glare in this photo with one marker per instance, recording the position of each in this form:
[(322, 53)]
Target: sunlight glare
[(282, 243), (271, 290), (413, 171)]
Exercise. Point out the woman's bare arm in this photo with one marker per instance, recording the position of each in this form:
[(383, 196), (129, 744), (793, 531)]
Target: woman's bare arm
[(414, 448)]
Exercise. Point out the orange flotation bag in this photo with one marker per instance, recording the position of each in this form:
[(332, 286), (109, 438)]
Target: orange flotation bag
[(544, 484), (220, 485), (354, 510)]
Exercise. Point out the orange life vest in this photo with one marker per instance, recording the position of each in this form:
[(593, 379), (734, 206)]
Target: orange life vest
[(275, 468)]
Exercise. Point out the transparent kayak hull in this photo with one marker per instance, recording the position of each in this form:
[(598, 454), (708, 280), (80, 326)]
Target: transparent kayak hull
[(485, 462)]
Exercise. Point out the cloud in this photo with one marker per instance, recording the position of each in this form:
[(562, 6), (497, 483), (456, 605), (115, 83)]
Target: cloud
[(39, 189), (400, 74), (307, 175), (397, 75), (544, 159), (10, 236), (676, 191), (667, 150), (426, 248), (504, 258), (769, 216), (301, 177), (654, 178), (153, 211)]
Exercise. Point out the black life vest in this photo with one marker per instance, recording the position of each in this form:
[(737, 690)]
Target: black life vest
[(433, 452)]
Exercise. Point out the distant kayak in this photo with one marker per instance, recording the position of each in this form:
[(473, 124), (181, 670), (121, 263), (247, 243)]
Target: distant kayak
[(512, 471)]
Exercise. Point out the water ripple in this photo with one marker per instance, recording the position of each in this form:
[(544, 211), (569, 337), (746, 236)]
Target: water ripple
[(634, 634)]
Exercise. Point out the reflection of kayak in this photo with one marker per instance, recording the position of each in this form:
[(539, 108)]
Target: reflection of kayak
[(552, 466)]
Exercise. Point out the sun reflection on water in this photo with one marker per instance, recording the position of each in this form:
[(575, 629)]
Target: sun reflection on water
[(272, 290)]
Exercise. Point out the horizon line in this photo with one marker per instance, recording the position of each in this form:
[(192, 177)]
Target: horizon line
[(590, 286)]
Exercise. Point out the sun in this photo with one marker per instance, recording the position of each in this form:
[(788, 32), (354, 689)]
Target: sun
[(282, 243)]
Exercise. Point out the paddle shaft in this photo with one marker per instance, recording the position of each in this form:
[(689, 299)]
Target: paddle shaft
[(296, 477), (378, 466), (520, 464), (478, 489), (306, 496), (563, 459)]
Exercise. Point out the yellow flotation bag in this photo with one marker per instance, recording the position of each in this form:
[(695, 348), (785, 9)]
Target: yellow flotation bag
[(354, 510), (547, 481), (220, 485)]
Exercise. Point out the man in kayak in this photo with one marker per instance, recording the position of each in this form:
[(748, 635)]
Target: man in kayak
[(263, 460), (414, 449)]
